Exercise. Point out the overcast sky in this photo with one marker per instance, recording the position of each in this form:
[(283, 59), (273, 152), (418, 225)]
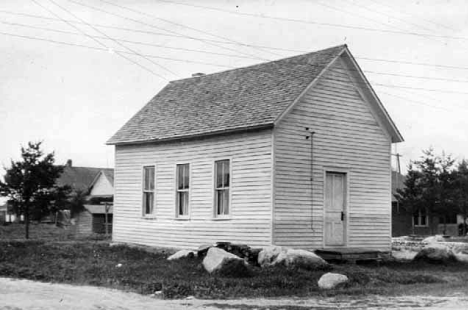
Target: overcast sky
[(64, 81)]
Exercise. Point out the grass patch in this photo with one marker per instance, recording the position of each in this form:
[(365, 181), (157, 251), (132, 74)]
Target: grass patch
[(137, 270), (55, 255)]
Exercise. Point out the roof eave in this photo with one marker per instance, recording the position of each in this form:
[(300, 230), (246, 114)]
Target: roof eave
[(195, 136)]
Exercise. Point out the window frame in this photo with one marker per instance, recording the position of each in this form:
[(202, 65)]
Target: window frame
[(420, 217), (144, 191), (176, 198), (217, 216)]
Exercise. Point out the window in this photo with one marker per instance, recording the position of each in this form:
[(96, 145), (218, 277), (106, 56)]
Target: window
[(182, 189), (420, 217), (148, 190), (222, 183)]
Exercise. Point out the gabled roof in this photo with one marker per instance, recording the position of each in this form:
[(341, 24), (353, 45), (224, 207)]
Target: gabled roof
[(108, 174), (240, 99), (80, 178)]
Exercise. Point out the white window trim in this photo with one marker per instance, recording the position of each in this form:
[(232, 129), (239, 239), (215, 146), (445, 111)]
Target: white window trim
[(143, 211), (189, 211), (419, 219), (221, 217)]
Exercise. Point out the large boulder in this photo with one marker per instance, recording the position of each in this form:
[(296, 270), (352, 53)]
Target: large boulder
[(300, 259), (432, 239), (267, 256), (182, 254), (461, 257), (224, 263), (276, 255), (331, 280), (435, 253), (203, 249)]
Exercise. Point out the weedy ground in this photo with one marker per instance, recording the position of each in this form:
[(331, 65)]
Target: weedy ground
[(49, 257)]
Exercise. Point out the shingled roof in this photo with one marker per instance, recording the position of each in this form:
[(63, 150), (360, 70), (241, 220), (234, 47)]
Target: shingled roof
[(239, 99), (80, 178)]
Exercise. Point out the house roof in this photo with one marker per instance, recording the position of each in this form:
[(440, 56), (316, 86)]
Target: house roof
[(80, 178), (108, 174), (240, 99), (98, 209)]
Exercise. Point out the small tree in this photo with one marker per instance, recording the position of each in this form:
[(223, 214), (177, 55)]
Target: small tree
[(30, 184)]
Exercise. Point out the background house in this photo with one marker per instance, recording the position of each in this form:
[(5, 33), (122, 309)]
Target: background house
[(406, 221), (97, 187), (294, 152)]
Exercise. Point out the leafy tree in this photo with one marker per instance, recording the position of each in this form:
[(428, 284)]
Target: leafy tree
[(430, 185), (30, 184)]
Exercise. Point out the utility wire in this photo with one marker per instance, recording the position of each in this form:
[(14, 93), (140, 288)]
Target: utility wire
[(182, 25), (388, 15), (312, 22), (116, 41), (99, 42), (107, 50), (203, 63), (220, 54), (168, 30), (416, 76), (410, 15), (261, 46), (415, 101), (128, 41)]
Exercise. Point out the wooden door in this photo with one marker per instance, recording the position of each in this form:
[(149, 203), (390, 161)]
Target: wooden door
[(335, 209)]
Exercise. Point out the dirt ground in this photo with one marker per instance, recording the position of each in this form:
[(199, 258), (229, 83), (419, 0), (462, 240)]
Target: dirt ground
[(29, 295)]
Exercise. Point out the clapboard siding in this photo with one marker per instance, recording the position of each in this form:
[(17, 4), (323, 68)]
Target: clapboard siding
[(347, 136), (251, 164)]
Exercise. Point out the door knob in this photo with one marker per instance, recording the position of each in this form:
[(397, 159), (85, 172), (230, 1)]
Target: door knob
[(342, 215)]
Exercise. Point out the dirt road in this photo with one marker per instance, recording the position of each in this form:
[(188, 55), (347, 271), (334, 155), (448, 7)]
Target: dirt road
[(29, 295)]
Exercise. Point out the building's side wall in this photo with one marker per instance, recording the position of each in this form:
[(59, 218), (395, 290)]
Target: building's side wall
[(250, 222), (102, 187), (347, 137)]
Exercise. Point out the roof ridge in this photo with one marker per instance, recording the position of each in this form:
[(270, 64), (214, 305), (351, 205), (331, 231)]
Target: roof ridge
[(261, 63)]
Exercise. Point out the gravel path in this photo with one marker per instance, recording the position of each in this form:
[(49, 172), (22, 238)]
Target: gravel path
[(29, 295)]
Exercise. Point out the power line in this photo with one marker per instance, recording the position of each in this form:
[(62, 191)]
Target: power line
[(416, 76), (128, 41), (387, 15), (198, 62), (260, 46), (100, 43), (160, 28), (415, 101), (391, 16), (412, 63), (414, 88), (312, 22), (181, 25), (427, 20), (107, 50), (110, 38)]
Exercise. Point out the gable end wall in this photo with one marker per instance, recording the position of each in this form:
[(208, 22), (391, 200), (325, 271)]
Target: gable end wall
[(347, 137)]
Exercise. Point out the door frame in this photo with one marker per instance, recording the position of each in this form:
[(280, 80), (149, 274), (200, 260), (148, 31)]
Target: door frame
[(346, 172)]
